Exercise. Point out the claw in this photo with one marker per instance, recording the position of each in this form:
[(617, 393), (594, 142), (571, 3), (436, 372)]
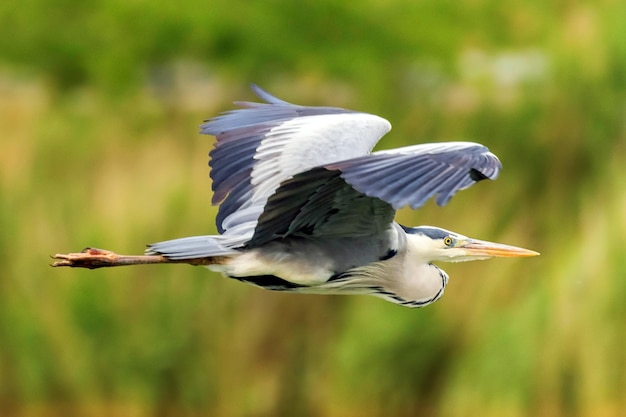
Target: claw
[(88, 258)]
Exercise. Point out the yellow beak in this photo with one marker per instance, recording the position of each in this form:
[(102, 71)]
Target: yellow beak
[(484, 248)]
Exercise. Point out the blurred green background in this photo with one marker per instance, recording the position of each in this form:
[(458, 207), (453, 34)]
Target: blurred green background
[(100, 104)]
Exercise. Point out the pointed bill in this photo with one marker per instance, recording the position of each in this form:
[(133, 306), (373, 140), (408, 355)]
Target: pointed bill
[(483, 248)]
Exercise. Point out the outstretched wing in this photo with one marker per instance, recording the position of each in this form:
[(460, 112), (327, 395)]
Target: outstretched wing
[(358, 197), (262, 145), (411, 175), (281, 170)]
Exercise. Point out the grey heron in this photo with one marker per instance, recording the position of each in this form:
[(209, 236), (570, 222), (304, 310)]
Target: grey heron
[(305, 206)]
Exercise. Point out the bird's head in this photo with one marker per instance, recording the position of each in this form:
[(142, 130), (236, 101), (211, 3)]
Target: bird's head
[(435, 244)]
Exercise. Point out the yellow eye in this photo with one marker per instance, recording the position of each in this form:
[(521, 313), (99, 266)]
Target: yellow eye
[(447, 241)]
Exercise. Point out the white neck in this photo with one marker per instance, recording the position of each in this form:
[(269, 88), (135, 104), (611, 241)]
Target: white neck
[(420, 282), (410, 279)]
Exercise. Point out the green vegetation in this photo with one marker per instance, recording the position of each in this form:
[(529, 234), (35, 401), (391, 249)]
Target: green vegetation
[(99, 107)]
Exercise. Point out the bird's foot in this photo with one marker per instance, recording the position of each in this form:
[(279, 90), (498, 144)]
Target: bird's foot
[(93, 258), (88, 258)]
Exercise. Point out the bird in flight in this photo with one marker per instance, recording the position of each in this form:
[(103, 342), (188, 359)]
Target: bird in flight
[(305, 206)]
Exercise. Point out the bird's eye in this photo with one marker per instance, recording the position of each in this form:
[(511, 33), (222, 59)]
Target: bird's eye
[(448, 241)]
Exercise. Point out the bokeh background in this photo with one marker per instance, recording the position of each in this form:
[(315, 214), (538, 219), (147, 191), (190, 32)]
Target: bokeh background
[(100, 104)]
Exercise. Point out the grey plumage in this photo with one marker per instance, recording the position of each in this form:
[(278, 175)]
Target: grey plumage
[(306, 207)]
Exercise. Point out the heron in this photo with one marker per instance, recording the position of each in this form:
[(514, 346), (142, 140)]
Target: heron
[(306, 206)]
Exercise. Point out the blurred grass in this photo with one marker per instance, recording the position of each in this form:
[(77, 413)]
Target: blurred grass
[(99, 107)]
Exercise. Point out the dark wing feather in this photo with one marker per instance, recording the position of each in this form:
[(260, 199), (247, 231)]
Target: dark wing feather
[(319, 203)]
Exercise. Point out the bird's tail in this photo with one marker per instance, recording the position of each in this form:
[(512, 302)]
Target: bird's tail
[(194, 247)]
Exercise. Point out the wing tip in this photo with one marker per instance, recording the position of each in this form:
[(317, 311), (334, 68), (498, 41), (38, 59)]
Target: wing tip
[(267, 97), (476, 175)]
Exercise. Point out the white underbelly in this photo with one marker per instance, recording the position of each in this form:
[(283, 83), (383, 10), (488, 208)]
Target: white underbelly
[(290, 267)]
